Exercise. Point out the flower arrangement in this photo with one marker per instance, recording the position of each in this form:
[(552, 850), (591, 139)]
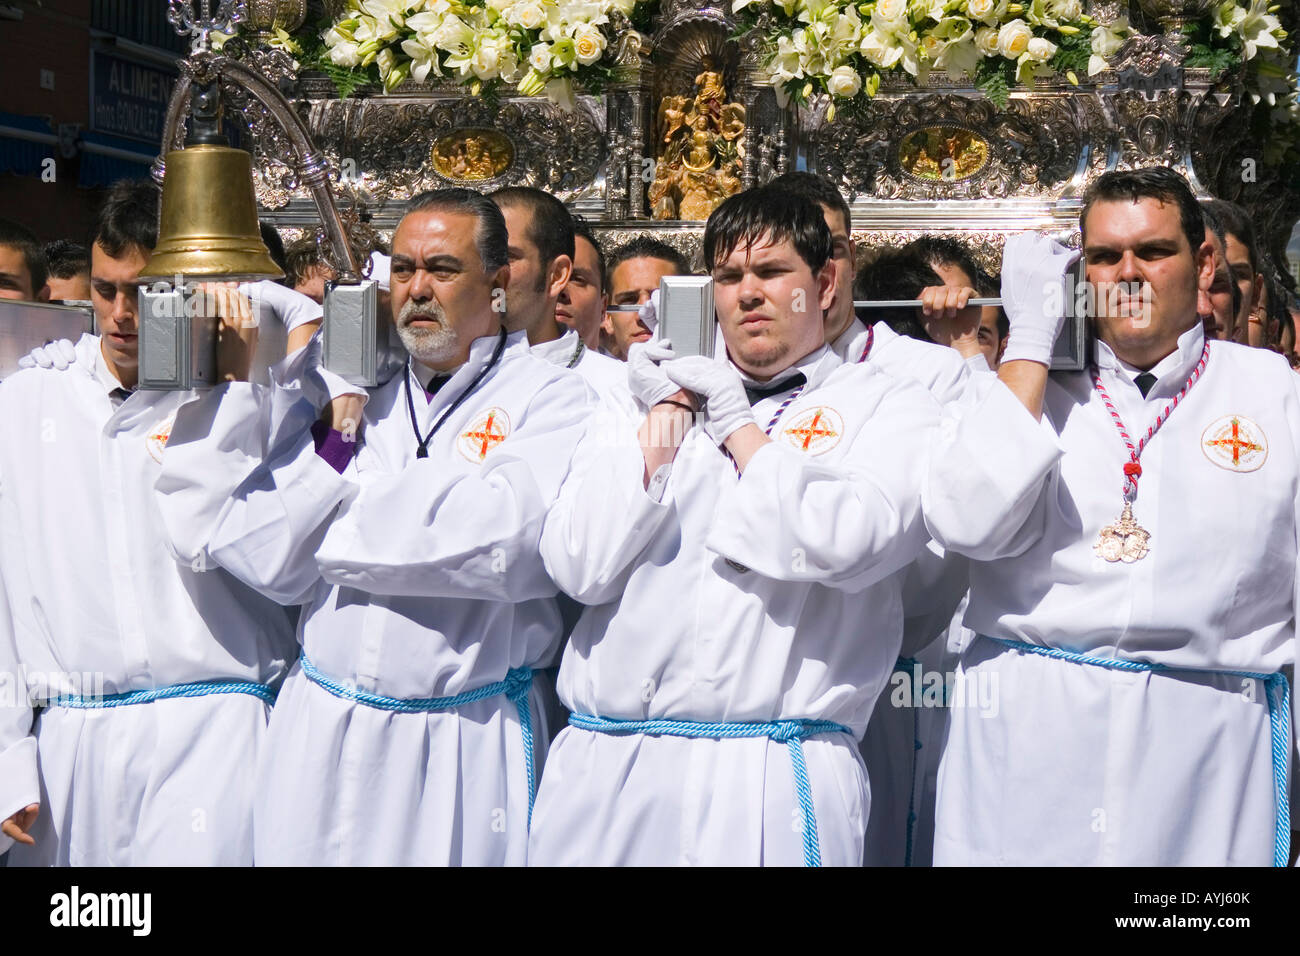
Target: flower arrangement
[(534, 46), (1250, 36), (837, 47), (843, 48)]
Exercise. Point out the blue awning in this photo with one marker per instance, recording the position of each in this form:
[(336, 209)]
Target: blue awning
[(106, 159), (25, 143)]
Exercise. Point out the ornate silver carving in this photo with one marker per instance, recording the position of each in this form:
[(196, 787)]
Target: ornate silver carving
[(197, 20), (1033, 147)]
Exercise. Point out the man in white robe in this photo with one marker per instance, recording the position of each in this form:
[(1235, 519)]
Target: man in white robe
[(737, 637), (406, 520), (155, 677), (1135, 605)]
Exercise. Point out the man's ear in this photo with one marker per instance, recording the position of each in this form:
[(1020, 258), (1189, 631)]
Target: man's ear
[(1205, 266), (606, 320), (826, 284), (853, 259), (561, 269), (1257, 291)]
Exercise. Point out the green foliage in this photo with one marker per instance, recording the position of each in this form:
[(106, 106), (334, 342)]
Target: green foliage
[(994, 77), (1072, 53), (1217, 59)]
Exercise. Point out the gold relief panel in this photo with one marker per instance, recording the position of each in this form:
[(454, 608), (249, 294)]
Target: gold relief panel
[(943, 153), (472, 155)]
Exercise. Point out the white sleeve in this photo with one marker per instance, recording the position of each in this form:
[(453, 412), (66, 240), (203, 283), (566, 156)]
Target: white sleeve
[(989, 465), (19, 783), (603, 518), (845, 524), (433, 531), (274, 301), (223, 500)]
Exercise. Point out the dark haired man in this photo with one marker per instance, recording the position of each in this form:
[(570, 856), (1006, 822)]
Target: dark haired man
[(1135, 613), (581, 305), (635, 269), (406, 519), (541, 248), (22, 264), (721, 675), (1242, 259), (69, 271), (1218, 305), (155, 677)]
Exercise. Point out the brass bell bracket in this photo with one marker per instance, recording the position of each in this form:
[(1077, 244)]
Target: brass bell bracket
[(205, 69)]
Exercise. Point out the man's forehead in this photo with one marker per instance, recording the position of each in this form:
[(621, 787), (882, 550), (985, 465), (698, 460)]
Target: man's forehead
[(428, 232), (127, 266), (759, 249), (1131, 221)]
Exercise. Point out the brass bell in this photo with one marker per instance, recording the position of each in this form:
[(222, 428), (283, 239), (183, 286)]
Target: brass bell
[(208, 229)]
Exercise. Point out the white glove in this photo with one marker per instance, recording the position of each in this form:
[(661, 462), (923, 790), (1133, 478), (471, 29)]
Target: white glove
[(320, 386), (59, 354), (649, 312), (1033, 275), (718, 384), (645, 374)]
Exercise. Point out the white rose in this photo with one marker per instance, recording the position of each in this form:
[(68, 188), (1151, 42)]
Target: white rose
[(486, 62), (588, 44), (539, 58), (891, 10), (986, 38), (1066, 11), (980, 9), (344, 54), (1041, 50), (844, 81), (528, 15), (1013, 38)]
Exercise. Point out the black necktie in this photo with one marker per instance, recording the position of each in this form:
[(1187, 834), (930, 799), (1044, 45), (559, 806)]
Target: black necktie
[(435, 383), (119, 394), (757, 393), (1144, 383)]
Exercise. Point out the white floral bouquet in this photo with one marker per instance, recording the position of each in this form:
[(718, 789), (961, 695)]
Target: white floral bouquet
[(534, 46), (1250, 35), (843, 48)]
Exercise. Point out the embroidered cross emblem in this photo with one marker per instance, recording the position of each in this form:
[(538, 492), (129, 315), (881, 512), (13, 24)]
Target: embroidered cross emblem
[(812, 431), (1235, 442), (488, 436)]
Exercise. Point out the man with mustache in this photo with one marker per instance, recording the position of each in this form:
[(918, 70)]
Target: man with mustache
[(405, 519), (1133, 535), (736, 637)]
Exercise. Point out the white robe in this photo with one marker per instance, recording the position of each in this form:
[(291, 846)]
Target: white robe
[(903, 741), (99, 608), (809, 630), (421, 578), (1085, 765)]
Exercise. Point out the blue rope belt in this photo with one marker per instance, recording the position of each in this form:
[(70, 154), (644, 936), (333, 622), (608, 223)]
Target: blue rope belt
[(907, 665), (1279, 717), (195, 689), (789, 732), (515, 688)]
